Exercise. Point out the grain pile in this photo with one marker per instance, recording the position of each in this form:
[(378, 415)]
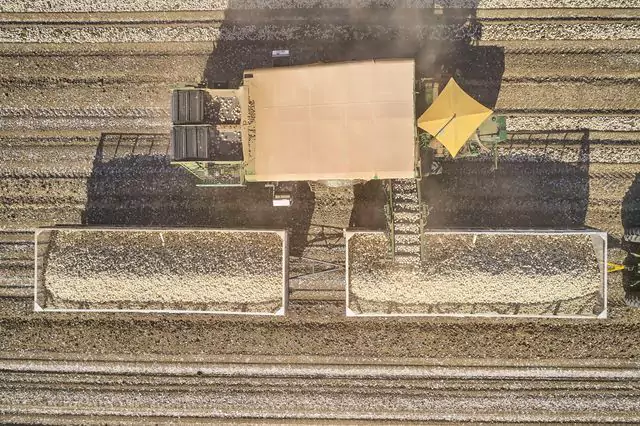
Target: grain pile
[(506, 274), (227, 109), (193, 270)]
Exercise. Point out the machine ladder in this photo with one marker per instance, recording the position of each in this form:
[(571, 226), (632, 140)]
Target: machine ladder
[(406, 221)]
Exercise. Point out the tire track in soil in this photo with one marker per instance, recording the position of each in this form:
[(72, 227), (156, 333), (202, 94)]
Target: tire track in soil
[(561, 188), (331, 14), (99, 69), (442, 384), (142, 334), (16, 264), (486, 6), (529, 47), (431, 398)]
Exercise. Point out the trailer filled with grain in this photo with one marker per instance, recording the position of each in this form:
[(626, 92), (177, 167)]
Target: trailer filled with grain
[(487, 273), (161, 270)]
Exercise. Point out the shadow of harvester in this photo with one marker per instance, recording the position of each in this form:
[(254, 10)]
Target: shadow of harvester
[(530, 188), (132, 183), (439, 39), (630, 211), (137, 186), (442, 40)]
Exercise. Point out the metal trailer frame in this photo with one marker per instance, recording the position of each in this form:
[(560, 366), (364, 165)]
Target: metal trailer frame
[(598, 240), (42, 235)]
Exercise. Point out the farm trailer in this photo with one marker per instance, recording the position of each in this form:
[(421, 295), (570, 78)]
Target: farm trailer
[(506, 273), (146, 270)]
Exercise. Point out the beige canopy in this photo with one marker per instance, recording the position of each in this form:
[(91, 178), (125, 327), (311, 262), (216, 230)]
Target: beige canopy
[(351, 120)]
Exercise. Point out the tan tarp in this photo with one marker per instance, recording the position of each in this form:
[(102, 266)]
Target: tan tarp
[(351, 120), (453, 117)]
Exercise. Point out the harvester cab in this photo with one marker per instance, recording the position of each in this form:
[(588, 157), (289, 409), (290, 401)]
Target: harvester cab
[(455, 125)]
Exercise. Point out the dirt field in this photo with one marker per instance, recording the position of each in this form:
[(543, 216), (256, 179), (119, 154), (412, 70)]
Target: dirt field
[(83, 89)]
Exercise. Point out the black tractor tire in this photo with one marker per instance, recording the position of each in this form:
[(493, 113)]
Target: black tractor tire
[(632, 299), (632, 235)]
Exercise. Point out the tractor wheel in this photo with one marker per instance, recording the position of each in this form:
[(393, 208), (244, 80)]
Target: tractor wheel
[(632, 235), (632, 299)]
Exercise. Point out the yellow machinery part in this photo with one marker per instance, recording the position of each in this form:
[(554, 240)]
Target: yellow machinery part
[(614, 267)]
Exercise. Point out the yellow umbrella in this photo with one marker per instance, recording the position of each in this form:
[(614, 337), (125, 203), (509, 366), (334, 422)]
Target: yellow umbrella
[(453, 117)]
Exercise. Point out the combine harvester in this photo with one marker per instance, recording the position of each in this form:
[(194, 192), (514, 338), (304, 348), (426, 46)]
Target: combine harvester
[(337, 124), (345, 123)]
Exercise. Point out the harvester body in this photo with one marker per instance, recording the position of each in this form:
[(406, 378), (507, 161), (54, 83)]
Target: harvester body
[(332, 123), (353, 121)]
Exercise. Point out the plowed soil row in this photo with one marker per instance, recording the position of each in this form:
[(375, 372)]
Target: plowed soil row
[(139, 191), (627, 29), (25, 331), (189, 5), (532, 47), (142, 98), (105, 69), (427, 393), (75, 157)]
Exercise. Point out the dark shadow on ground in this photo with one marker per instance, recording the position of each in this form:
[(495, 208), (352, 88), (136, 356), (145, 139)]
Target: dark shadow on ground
[(443, 43), (145, 190), (630, 214), (298, 217), (523, 193), (478, 70), (230, 58), (630, 211), (368, 206)]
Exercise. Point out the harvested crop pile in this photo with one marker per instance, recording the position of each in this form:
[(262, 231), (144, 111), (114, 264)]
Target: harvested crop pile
[(505, 274), (226, 109), (191, 270)]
